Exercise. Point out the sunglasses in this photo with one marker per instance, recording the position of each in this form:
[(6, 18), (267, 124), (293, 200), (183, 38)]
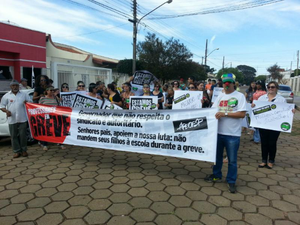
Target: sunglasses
[(81, 85), (65, 86), (175, 83), (271, 87), (51, 90), (191, 88)]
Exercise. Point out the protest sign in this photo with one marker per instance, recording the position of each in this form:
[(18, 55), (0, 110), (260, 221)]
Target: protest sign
[(247, 119), (107, 105), (140, 78), (143, 102), (216, 92), (272, 116), (67, 98), (85, 101), (187, 100), (190, 134)]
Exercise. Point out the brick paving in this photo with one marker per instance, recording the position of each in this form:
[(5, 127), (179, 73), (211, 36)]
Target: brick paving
[(96, 186)]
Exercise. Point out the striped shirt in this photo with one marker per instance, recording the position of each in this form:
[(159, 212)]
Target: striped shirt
[(48, 101)]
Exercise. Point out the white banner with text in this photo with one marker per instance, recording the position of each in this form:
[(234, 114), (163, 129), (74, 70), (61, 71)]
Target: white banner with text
[(190, 134)]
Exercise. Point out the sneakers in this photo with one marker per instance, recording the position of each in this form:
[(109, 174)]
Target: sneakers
[(45, 148), (232, 188), (213, 178)]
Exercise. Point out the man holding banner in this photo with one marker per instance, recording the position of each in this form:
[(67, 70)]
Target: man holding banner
[(232, 110)]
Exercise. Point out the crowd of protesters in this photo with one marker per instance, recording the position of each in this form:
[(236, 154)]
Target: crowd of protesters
[(229, 116)]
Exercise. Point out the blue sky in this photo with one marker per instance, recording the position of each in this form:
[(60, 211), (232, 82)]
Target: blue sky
[(258, 37)]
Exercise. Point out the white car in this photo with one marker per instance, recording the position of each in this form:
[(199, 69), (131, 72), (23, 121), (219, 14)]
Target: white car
[(4, 131)]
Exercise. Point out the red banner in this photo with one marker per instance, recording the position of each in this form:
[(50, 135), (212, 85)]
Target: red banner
[(49, 123)]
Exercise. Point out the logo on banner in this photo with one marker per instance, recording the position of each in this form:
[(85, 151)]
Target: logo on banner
[(142, 104), (263, 109), (190, 125), (85, 102), (285, 126), (181, 98)]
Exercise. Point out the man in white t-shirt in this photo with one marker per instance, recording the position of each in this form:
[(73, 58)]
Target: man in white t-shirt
[(13, 104), (232, 110)]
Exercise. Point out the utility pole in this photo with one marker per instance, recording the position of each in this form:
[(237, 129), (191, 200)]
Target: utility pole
[(134, 21), (297, 63), (202, 61), (231, 65), (223, 64), (205, 57)]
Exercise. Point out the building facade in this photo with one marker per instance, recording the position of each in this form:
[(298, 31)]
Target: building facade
[(21, 50)]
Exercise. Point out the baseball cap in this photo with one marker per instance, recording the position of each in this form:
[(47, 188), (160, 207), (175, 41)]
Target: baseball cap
[(228, 77)]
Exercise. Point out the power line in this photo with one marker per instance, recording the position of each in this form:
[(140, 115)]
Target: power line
[(248, 5), (110, 9)]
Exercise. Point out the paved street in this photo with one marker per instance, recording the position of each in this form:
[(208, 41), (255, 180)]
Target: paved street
[(96, 186)]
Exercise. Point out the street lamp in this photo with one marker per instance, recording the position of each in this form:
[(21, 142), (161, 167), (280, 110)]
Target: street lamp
[(135, 22), (206, 55)]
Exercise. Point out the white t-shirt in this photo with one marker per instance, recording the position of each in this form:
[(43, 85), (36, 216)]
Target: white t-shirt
[(278, 98), (15, 104), (230, 103)]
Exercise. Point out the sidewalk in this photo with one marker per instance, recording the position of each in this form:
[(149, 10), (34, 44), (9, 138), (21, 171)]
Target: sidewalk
[(95, 186)]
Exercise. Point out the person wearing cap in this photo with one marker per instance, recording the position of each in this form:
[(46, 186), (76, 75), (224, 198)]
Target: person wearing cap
[(23, 84), (13, 104), (232, 110), (260, 91)]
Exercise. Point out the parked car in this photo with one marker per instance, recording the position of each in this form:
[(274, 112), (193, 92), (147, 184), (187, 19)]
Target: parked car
[(286, 92), (4, 131)]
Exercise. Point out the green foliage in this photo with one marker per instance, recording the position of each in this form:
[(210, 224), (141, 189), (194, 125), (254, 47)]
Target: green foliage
[(125, 66), (275, 72), (166, 60), (248, 72), (239, 75), (295, 73), (261, 77)]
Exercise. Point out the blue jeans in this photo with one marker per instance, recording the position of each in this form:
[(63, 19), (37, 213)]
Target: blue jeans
[(232, 144), (256, 137)]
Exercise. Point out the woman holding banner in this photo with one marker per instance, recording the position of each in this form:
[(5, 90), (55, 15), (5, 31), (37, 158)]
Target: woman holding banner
[(126, 95), (269, 137), (205, 99), (93, 91), (113, 95), (169, 99), (157, 92), (49, 99)]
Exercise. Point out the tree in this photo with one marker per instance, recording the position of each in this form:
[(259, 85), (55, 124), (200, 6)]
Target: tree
[(295, 73), (169, 60), (261, 77), (275, 73), (248, 72), (239, 76), (125, 66)]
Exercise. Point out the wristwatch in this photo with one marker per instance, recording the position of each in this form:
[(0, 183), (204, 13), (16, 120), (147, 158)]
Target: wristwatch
[(226, 114)]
